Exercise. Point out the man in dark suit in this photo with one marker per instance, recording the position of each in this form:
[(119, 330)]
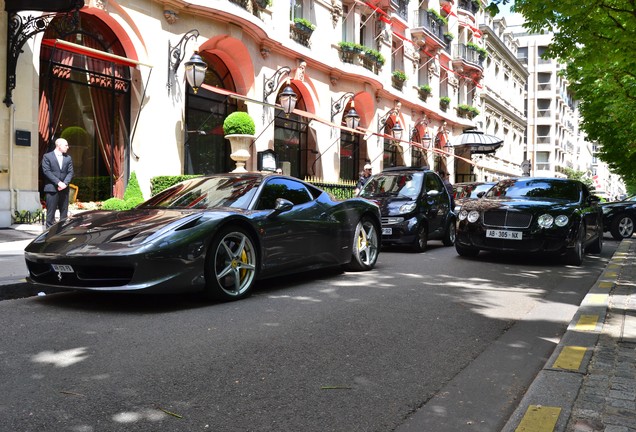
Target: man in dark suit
[(57, 168)]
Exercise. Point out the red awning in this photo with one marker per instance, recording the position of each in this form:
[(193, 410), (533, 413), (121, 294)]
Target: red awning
[(91, 52)]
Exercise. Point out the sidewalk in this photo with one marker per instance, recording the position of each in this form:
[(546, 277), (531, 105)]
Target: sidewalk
[(589, 382)]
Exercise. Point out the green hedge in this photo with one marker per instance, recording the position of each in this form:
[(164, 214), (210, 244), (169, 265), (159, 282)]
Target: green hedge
[(92, 188), (132, 197)]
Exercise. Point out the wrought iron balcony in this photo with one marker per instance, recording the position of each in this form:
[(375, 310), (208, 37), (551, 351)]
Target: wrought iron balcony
[(428, 28)]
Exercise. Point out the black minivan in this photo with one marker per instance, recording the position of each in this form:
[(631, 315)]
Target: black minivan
[(415, 206)]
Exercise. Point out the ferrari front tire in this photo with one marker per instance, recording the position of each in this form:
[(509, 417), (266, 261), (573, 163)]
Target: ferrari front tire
[(231, 265), (366, 241)]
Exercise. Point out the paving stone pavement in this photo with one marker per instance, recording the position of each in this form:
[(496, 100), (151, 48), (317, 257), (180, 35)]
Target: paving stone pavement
[(607, 399)]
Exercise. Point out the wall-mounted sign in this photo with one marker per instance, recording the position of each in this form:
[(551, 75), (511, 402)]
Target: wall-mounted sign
[(23, 138)]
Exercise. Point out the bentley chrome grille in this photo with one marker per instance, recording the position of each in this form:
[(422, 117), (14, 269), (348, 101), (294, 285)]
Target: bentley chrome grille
[(507, 219)]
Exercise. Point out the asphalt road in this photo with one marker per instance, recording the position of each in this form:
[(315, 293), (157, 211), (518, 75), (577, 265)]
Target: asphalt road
[(426, 342)]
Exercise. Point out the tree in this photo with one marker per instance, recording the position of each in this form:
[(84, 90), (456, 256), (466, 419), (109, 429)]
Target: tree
[(595, 40), (579, 175)]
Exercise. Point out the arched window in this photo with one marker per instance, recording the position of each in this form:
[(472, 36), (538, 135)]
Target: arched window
[(86, 100)]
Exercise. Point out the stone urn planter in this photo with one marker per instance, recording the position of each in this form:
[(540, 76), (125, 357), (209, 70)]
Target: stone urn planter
[(239, 130), (240, 144)]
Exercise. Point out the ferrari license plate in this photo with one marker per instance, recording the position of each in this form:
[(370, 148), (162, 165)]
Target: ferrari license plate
[(62, 268), (504, 234), (387, 231)]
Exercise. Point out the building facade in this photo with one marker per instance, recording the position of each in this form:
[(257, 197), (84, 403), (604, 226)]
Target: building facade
[(108, 75)]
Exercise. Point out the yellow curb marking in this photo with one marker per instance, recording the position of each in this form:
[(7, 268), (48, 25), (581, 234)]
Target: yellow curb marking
[(611, 274), (613, 266), (597, 298), (586, 322), (539, 419), (606, 285), (570, 358)]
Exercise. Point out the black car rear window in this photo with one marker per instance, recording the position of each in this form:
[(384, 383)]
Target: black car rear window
[(406, 185)]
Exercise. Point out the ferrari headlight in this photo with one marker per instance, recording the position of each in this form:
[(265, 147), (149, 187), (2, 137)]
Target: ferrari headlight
[(408, 207), (545, 221), (473, 216), (463, 214), (561, 220)]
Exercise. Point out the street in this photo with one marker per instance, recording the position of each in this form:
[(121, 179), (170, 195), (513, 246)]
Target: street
[(426, 342)]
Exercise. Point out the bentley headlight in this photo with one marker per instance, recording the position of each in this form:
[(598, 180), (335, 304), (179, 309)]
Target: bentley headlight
[(561, 220), (473, 216), (463, 214), (408, 207), (545, 221), (606, 210)]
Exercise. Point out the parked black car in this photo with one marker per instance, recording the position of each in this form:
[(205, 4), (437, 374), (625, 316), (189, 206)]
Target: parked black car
[(465, 191), (537, 215), (619, 217), (415, 207), (218, 234)]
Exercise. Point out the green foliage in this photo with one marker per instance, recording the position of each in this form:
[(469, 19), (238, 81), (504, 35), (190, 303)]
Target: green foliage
[(579, 175), (132, 197), (76, 136), (239, 122), (133, 191), (444, 101), (438, 17), (468, 108), (350, 46), (595, 42), (449, 36), (425, 88), (379, 58), (117, 204), (482, 51), (304, 22), (160, 183), (399, 75)]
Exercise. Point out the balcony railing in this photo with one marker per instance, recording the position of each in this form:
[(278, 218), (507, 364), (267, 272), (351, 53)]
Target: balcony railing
[(426, 20), (469, 55), (401, 8), (468, 5)]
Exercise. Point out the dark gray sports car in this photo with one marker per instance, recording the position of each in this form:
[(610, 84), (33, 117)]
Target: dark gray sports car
[(218, 234), (536, 215)]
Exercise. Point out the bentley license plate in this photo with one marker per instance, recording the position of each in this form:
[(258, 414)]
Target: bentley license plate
[(504, 234), (387, 231), (62, 268)]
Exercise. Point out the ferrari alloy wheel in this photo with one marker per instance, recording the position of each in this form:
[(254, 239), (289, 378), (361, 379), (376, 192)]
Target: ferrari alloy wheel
[(622, 227), (574, 256), (365, 246), (231, 265)]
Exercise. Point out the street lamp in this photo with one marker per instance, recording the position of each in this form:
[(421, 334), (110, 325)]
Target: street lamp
[(397, 129), (195, 67), (425, 139), (287, 99)]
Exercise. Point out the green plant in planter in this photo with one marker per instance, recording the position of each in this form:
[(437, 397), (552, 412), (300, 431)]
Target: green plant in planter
[(375, 54), (399, 75), (473, 46), (449, 36), (350, 46), (425, 88), (470, 110), (239, 122), (76, 136), (440, 19), (444, 102), (305, 23)]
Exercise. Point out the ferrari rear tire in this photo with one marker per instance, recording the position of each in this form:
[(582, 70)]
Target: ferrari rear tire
[(231, 265), (365, 249), (466, 251), (622, 227), (574, 256)]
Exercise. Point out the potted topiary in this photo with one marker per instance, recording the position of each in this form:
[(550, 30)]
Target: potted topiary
[(239, 129)]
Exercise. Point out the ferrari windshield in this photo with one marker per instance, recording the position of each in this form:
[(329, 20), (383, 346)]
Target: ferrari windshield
[(207, 193), (542, 189)]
